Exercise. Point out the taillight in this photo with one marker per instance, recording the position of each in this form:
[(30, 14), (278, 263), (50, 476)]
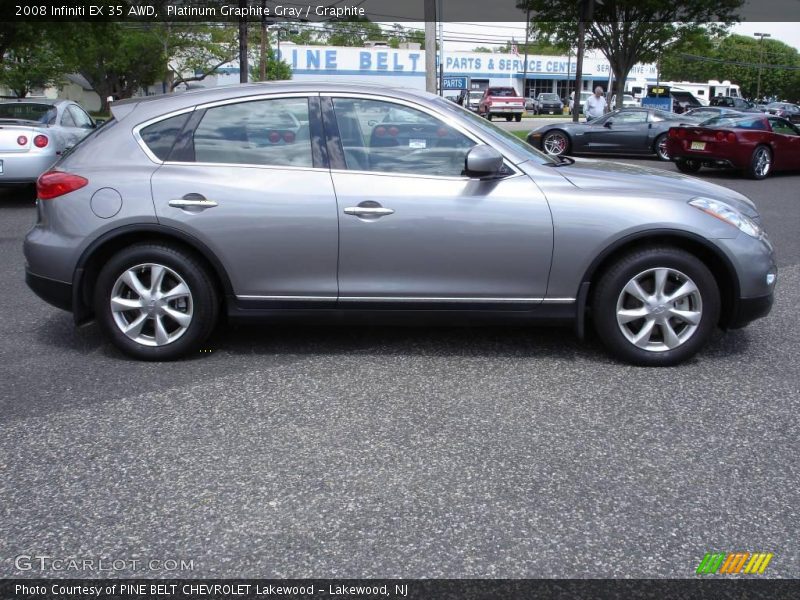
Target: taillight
[(677, 132), (731, 136), (720, 136), (288, 137), (22, 140), (40, 141), (380, 131), (393, 131), (57, 183), (274, 137)]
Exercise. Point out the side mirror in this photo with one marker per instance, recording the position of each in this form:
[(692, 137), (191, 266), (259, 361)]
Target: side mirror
[(483, 161), (608, 123)]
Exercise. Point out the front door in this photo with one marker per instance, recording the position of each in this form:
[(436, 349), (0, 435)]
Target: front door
[(247, 184), (622, 131), (414, 228)]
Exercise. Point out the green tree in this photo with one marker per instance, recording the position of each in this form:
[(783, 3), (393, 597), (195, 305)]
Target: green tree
[(482, 49), (277, 70), (352, 32), (627, 32), (196, 50), (33, 62), (117, 60)]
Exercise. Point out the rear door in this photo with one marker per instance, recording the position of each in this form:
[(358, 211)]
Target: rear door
[(414, 228), (248, 179)]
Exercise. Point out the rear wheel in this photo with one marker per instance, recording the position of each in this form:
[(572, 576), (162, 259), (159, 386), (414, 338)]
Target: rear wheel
[(489, 116), (518, 118), (760, 163), (688, 165), (656, 306), (155, 302), (660, 147), (509, 117)]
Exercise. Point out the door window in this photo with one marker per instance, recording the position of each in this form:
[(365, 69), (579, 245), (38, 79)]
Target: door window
[(630, 118), (385, 137), (81, 119), (783, 127), (67, 120), (260, 132)]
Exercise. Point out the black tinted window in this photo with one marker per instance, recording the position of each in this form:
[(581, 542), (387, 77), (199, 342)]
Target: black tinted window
[(161, 136), (261, 132), (28, 111)]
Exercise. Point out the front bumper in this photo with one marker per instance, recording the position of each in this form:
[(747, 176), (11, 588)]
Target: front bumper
[(750, 309), (57, 293)]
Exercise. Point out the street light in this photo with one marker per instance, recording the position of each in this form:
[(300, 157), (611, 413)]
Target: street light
[(760, 37)]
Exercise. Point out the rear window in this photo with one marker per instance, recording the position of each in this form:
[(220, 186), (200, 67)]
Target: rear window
[(502, 91), (29, 111), (738, 123), (160, 137)]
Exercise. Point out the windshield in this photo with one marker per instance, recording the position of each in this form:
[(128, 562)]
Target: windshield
[(497, 133), (549, 96), (29, 111)]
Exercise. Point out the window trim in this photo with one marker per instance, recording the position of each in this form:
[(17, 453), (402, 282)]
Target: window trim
[(201, 109), (336, 150)]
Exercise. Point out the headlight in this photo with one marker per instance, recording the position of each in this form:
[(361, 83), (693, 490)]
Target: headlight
[(725, 212)]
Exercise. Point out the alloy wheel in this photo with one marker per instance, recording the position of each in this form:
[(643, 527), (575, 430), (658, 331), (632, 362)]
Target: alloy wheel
[(763, 162), (659, 309), (151, 304), (555, 144)]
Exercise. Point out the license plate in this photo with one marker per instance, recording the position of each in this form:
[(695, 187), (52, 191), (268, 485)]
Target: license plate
[(698, 146)]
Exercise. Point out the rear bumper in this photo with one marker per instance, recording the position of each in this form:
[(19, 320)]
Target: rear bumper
[(57, 293), (750, 309), (24, 167)]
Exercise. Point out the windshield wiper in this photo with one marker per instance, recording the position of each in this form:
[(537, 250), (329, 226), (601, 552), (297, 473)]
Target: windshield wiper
[(563, 161)]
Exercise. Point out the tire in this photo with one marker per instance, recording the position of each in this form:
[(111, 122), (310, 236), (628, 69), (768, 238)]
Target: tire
[(518, 118), (489, 116), (760, 163), (660, 147), (509, 117), (658, 338), (688, 165), (137, 266), (555, 143)]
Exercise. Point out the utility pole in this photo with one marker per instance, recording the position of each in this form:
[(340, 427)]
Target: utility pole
[(525, 66), (262, 57), (760, 37), (430, 46), (439, 18), (586, 10), (243, 42)]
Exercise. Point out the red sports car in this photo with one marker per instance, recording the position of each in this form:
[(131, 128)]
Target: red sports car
[(755, 144)]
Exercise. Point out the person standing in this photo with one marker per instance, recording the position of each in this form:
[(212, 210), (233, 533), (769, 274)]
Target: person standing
[(595, 105)]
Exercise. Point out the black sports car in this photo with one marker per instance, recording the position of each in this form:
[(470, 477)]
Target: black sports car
[(623, 131)]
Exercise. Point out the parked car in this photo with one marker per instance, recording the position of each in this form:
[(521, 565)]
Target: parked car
[(584, 97), (548, 104), (734, 102), (628, 101), (474, 99), (169, 215), (34, 133), (754, 144), (790, 112), (623, 131), (501, 102)]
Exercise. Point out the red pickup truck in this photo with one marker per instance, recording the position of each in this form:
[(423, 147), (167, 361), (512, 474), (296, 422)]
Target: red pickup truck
[(501, 102)]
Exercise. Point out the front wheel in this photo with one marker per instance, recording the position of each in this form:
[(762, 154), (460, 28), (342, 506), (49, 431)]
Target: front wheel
[(518, 118), (656, 306), (660, 147), (489, 116), (155, 302), (760, 163), (688, 165), (555, 143)]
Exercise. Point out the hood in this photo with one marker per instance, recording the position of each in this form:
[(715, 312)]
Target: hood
[(605, 175)]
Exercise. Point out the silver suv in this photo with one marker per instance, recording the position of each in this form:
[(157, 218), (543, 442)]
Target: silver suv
[(302, 199)]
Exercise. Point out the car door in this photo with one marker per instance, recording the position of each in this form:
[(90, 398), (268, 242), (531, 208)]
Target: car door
[(622, 131), (414, 228), (83, 122), (69, 131), (247, 179), (786, 144)]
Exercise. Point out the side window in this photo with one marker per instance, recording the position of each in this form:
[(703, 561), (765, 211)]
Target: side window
[(783, 127), (160, 137), (67, 120), (80, 117), (260, 132), (391, 138), (631, 118)]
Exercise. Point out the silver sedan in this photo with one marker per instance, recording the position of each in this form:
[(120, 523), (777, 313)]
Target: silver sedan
[(35, 133), (350, 201)]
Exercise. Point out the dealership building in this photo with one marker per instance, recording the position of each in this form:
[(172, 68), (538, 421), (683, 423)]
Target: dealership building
[(406, 68)]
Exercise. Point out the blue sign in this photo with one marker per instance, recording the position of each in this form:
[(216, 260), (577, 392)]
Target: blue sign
[(658, 103), (454, 83)]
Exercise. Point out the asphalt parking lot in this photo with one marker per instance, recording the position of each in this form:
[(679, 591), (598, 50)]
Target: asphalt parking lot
[(399, 452)]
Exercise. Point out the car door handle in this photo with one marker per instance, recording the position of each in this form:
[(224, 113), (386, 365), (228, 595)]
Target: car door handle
[(192, 203), (368, 211)]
